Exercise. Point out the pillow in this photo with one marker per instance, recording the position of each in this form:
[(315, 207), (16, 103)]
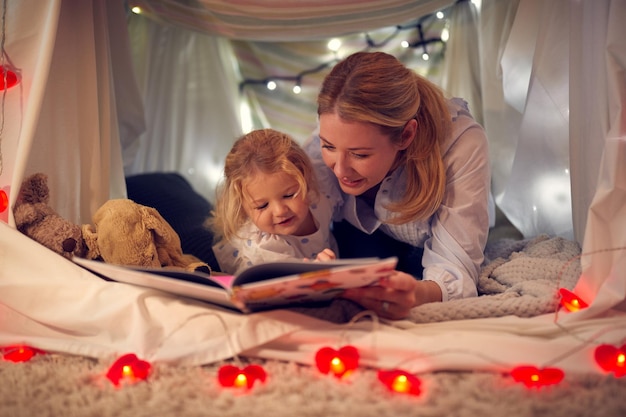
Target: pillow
[(183, 208)]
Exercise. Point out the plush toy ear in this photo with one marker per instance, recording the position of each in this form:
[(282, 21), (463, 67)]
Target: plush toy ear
[(166, 239), (34, 189), (26, 214), (155, 222), (91, 241)]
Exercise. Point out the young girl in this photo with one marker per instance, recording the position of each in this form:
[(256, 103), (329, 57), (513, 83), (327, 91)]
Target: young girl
[(268, 207)]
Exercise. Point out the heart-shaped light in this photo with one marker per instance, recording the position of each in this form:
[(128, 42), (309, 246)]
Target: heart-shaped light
[(4, 201), (400, 381), (8, 77), (19, 353), (612, 359), (534, 377), (570, 301), (128, 368), (233, 376), (338, 362)]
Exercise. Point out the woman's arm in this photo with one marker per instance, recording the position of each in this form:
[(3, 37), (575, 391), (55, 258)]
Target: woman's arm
[(454, 252)]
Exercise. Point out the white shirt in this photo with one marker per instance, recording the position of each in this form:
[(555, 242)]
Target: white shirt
[(453, 238), (255, 246)]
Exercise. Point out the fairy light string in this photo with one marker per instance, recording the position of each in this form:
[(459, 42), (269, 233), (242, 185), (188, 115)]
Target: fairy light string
[(571, 261), (342, 362), (129, 369), (356, 318), (370, 44), (229, 375)]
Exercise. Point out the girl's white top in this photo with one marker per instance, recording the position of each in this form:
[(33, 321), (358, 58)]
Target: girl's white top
[(256, 247)]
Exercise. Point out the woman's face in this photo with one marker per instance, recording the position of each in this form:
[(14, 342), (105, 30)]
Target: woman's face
[(358, 153)]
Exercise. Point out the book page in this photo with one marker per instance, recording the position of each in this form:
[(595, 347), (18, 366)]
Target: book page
[(278, 269), (225, 281), (196, 285), (317, 282)]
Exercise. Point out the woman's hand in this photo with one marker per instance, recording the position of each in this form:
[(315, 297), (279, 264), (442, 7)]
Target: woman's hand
[(326, 255), (395, 296)]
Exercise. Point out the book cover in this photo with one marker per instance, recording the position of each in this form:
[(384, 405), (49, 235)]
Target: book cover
[(259, 287)]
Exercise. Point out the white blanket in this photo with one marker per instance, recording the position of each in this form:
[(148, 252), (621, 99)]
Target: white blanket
[(50, 303)]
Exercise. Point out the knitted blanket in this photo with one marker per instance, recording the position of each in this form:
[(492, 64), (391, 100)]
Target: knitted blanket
[(519, 278)]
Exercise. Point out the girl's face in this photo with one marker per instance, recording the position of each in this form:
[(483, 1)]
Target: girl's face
[(277, 206), (358, 153)]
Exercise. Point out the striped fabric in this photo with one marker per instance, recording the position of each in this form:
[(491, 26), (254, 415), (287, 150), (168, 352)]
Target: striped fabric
[(277, 20), (296, 114)]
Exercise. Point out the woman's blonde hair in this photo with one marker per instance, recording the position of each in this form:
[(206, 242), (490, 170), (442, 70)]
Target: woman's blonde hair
[(376, 88), (267, 151)]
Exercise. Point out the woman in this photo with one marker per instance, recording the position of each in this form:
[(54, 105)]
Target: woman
[(408, 172)]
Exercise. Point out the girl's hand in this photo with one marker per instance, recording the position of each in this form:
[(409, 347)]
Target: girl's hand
[(395, 296)]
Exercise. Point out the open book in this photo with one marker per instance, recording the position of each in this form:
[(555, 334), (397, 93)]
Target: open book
[(259, 287)]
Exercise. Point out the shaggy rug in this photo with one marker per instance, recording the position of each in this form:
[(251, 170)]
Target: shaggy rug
[(65, 386), (519, 278)]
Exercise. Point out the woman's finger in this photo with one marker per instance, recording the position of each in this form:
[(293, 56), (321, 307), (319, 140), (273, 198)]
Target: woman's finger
[(399, 281)]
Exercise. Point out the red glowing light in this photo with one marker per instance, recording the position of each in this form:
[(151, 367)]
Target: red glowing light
[(8, 77), (400, 381), (533, 377), (128, 368), (570, 301), (19, 353), (339, 362), (233, 376), (4, 201), (612, 359)]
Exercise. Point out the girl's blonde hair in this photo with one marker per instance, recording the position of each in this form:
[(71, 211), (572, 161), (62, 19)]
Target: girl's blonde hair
[(267, 151), (376, 88)]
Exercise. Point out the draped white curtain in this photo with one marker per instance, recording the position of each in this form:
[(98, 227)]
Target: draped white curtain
[(535, 194), (188, 82), (462, 63), (598, 148), (74, 97)]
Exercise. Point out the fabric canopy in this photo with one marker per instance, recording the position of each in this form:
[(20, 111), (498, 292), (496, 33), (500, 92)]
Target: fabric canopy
[(277, 20)]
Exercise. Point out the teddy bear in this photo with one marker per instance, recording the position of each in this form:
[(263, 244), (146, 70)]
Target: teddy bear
[(124, 232), (127, 233), (36, 219)]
